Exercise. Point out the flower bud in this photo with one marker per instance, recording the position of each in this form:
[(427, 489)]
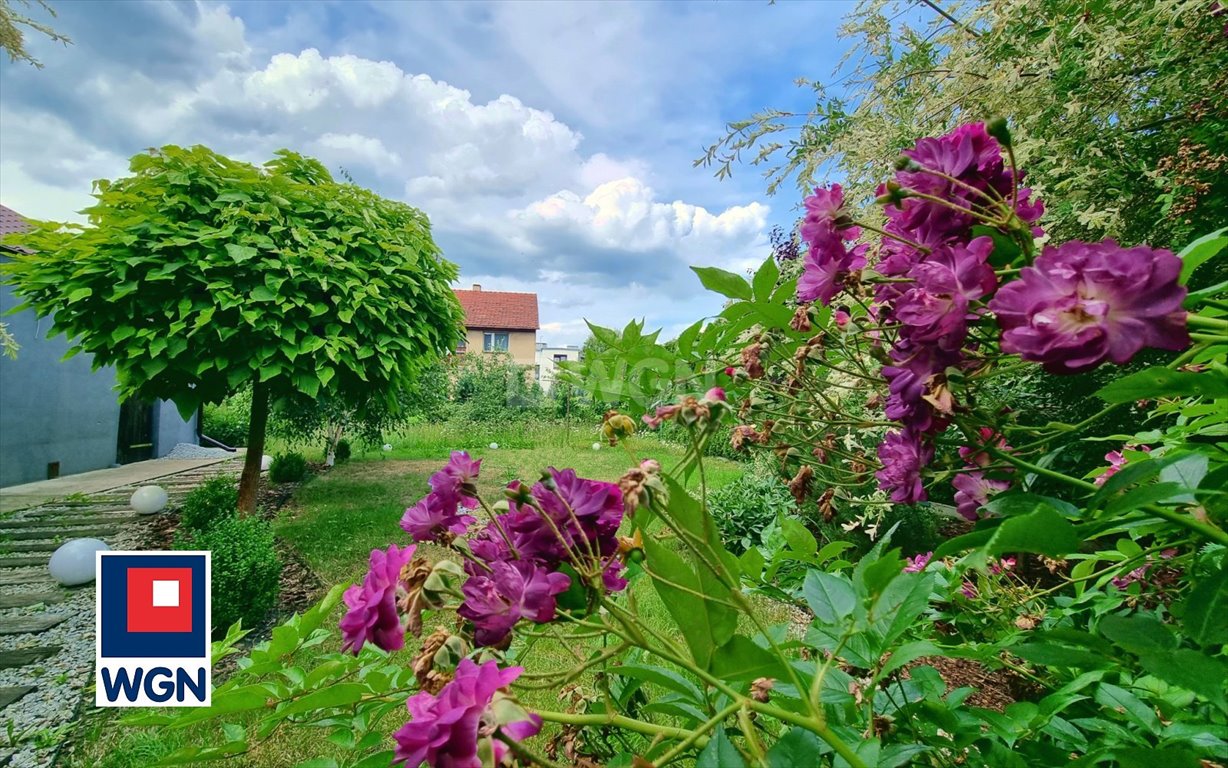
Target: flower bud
[(999, 130)]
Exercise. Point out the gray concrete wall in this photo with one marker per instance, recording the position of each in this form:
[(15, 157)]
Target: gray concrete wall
[(61, 410), (170, 429)]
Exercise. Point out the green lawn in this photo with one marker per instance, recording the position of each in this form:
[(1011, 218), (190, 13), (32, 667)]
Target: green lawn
[(337, 518)]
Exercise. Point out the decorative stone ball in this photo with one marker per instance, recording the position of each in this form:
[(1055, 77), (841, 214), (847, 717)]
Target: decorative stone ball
[(73, 562), (149, 499), (266, 461), (387, 447), (494, 446), (596, 446)]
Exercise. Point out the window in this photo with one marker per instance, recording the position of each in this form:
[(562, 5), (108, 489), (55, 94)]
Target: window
[(494, 342), (560, 358), (461, 345), (537, 373)]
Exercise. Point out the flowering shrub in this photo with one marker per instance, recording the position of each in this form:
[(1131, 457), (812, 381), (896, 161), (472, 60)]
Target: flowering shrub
[(1097, 604)]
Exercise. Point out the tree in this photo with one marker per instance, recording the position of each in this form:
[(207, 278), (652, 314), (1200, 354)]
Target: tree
[(1118, 108), (198, 274), (12, 37)]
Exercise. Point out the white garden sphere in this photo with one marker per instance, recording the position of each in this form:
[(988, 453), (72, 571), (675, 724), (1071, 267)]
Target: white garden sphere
[(266, 461), (596, 446), (387, 447), (149, 499), (494, 446), (73, 562)]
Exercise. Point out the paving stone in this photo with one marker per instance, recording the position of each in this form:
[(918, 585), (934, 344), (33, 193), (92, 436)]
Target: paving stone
[(31, 546), (10, 579), (13, 693), (26, 656), (39, 622), (75, 521), (22, 562), (29, 598), (62, 533)]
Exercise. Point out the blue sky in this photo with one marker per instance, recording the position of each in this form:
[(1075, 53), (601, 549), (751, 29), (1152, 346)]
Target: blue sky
[(550, 143)]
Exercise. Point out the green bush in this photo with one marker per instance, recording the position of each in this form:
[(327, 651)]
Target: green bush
[(227, 421), (343, 450), (744, 508), (493, 388), (918, 528), (245, 568), (288, 468), (215, 499)]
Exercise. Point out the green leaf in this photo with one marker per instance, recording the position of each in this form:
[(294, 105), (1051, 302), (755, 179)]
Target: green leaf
[(724, 282), (1186, 472), (741, 659), (378, 760), (798, 747), (720, 751), (1043, 532), (1206, 610), (765, 279), (240, 253), (1161, 382), (78, 294), (664, 678), (1053, 655), (1147, 757), (262, 293), (336, 695), (799, 538), (829, 596), (696, 603), (1191, 670), (1199, 251), (1138, 634), (1127, 704)]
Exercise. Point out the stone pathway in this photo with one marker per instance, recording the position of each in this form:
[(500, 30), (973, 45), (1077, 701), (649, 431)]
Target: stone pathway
[(47, 631)]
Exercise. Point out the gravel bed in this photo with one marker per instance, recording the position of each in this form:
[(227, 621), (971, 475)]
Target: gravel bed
[(190, 451)]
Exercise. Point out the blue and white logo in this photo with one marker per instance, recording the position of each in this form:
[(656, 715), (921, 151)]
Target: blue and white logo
[(153, 629)]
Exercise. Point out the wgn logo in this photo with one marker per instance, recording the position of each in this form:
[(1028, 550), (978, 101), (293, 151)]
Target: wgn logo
[(153, 629)]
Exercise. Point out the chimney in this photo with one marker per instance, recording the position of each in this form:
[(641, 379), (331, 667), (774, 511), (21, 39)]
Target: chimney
[(476, 287)]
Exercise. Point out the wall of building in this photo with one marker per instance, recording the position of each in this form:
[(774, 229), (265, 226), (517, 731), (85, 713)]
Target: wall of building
[(546, 362), (521, 345), (54, 410)]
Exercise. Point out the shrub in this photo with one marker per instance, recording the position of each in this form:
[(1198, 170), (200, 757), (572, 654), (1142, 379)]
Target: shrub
[(213, 500), (918, 528), (343, 450), (744, 508), (245, 568), (288, 468), (227, 421)]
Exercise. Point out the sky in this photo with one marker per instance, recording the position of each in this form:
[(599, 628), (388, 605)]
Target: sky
[(551, 143)]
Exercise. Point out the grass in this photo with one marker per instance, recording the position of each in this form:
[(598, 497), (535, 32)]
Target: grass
[(336, 519)]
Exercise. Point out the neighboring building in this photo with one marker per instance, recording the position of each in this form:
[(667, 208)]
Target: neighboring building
[(59, 417), (548, 357), (498, 321)]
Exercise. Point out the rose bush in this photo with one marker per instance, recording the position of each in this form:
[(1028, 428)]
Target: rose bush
[(880, 374)]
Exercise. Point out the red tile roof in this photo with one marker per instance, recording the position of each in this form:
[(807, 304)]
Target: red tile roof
[(10, 222), (498, 309)]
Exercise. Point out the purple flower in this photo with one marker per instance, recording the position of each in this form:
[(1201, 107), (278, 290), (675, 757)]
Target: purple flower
[(434, 516), (938, 306), (968, 590), (1080, 304), (910, 382), (978, 456), (917, 563), (1116, 461), (903, 453), (445, 731), (825, 229), (973, 490), (457, 479), (372, 615), (828, 262), (494, 602), (583, 511)]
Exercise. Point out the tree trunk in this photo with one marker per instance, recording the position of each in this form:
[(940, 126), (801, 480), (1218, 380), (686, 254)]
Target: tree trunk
[(249, 483)]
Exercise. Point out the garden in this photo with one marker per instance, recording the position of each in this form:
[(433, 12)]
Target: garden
[(942, 484)]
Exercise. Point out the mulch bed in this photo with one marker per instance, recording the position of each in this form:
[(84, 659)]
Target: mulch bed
[(993, 689), (300, 586)]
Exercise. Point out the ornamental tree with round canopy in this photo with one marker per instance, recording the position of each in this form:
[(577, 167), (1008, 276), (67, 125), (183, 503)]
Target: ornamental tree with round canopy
[(198, 275)]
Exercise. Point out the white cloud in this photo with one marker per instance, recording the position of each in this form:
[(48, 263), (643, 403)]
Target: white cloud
[(516, 196)]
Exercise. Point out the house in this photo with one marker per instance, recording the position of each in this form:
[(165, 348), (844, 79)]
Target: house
[(60, 417), (499, 321), (548, 358)]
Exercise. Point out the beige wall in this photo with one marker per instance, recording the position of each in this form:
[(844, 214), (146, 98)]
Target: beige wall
[(521, 345)]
